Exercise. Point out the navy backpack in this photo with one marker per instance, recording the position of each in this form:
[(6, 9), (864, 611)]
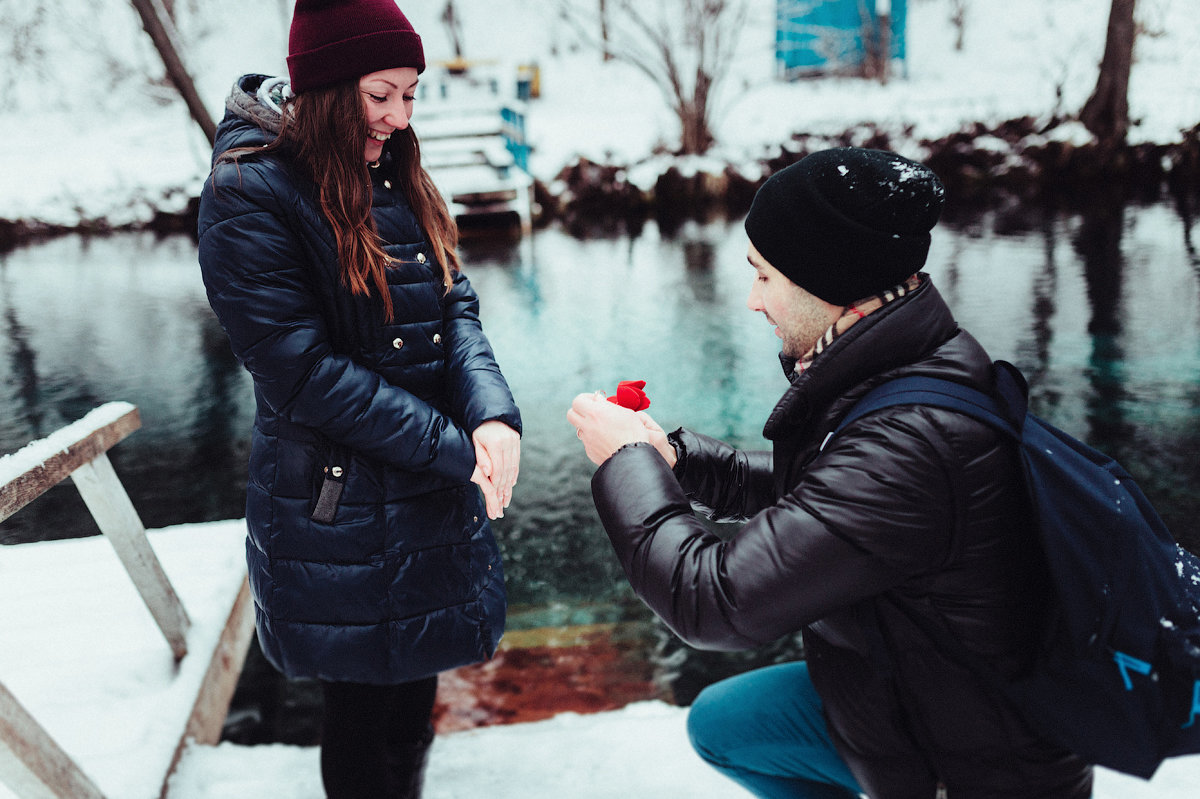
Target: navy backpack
[(1117, 675)]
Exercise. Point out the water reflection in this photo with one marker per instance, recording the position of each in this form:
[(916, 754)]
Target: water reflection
[(1100, 308), (23, 364)]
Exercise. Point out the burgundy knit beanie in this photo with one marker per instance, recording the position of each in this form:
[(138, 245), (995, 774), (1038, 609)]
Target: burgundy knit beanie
[(336, 40), (846, 223)]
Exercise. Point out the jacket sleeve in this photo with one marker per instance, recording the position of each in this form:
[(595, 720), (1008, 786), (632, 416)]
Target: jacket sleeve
[(863, 518), (258, 275), (724, 483), (478, 391)]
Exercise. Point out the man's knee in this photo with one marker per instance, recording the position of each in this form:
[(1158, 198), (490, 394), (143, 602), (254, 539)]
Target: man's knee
[(708, 722)]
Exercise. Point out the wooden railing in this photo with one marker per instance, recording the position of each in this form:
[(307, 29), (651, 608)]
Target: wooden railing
[(85, 461), (32, 764)]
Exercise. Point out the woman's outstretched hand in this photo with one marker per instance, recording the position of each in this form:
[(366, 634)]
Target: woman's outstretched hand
[(497, 464)]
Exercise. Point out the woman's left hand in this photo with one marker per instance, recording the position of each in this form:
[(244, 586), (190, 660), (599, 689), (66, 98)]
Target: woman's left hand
[(490, 500), (498, 455)]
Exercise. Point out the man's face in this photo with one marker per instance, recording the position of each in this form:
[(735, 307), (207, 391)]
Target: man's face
[(799, 317)]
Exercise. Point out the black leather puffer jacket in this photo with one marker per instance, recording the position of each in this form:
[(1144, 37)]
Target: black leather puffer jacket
[(912, 505)]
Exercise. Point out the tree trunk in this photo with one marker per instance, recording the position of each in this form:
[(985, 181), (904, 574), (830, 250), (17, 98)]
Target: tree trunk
[(158, 24), (958, 17), (607, 53), (1106, 113), (697, 136)]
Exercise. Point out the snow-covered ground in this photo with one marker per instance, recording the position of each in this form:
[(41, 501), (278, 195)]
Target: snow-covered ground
[(640, 751), (86, 138)]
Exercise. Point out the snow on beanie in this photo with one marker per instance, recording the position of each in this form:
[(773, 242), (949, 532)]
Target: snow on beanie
[(336, 40), (846, 223)]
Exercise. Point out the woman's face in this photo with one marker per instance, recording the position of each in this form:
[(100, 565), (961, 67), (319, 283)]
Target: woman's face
[(388, 102)]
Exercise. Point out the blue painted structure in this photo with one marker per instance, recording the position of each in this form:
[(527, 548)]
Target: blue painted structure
[(817, 37), (512, 128)]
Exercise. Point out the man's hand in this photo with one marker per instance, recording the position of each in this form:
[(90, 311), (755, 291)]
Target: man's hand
[(604, 427), (658, 437), (498, 461)]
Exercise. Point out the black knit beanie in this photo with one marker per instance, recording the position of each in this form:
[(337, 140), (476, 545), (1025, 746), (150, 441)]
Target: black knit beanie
[(846, 223)]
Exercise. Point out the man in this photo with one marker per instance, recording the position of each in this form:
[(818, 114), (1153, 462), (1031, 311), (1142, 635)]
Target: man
[(911, 509)]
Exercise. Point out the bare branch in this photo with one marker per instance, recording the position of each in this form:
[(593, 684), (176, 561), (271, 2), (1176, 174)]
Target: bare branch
[(684, 46)]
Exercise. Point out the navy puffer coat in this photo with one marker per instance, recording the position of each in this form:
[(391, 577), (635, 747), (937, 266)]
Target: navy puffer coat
[(911, 505), (404, 578)]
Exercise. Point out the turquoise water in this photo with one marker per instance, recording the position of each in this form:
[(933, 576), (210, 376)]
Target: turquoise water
[(1101, 310)]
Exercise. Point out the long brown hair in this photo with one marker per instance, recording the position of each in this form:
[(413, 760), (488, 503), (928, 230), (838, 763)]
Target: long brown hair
[(325, 129)]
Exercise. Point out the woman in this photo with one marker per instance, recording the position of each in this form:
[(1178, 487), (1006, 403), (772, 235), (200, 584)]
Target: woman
[(385, 436)]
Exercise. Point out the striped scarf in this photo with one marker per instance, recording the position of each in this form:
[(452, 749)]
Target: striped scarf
[(852, 313)]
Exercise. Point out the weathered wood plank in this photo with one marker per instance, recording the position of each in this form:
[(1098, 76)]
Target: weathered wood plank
[(19, 490), (216, 691), (105, 497), (32, 764), (220, 680)]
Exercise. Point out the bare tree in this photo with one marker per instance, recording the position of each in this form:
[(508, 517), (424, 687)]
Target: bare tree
[(604, 30), (876, 30), (684, 46), (958, 18), (1106, 113), (161, 30)]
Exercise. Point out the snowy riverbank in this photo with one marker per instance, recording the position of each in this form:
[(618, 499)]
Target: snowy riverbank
[(117, 150), (92, 144)]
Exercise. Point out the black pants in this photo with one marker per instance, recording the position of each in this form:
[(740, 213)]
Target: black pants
[(374, 739)]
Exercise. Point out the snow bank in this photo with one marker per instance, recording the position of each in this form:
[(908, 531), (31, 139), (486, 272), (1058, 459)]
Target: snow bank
[(639, 751), (133, 149)]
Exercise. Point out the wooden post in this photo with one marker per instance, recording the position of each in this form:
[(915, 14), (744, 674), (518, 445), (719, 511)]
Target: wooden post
[(157, 23), (118, 520), (32, 764), (84, 460), (207, 719)]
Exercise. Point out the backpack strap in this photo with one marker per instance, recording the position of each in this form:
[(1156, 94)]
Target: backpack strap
[(920, 390), (1005, 413)]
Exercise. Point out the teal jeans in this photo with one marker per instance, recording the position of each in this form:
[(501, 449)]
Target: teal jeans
[(765, 730)]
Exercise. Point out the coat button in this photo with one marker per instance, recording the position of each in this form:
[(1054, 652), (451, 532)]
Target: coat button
[(397, 343), (476, 518), (387, 184), (437, 338), (420, 257)]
